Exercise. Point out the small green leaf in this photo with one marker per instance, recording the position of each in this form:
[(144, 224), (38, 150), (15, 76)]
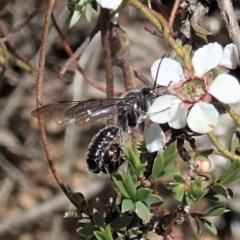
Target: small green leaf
[(72, 214), (179, 192), (163, 160), (218, 191), (169, 171), (121, 222), (104, 233), (87, 231), (98, 219), (118, 181), (203, 31), (158, 167), (127, 205), (153, 200), (170, 154), (75, 17), (179, 179), (210, 226), (222, 190), (171, 185), (77, 198), (232, 173), (143, 193), (235, 141), (142, 211), (134, 161), (130, 185), (195, 192), (217, 211), (205, 153), (88, 11)]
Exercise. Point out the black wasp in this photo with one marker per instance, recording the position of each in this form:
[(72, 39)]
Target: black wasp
[(104, 154)]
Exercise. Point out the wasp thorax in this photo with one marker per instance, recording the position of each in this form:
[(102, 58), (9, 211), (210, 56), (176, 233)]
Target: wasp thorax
[(193, 90)]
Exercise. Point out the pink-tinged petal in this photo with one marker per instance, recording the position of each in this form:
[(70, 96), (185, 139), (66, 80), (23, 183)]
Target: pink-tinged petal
[(206, 58), (164, 108), (180, 119), (155, 139), (230, 58), (225, 88), (203, 117), (109, 4), (166, 71)]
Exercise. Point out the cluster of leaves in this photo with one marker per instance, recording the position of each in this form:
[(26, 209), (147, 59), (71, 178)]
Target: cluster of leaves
[(133, 212)]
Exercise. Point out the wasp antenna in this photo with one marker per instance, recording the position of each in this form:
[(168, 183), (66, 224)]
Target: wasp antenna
[(159, 65)]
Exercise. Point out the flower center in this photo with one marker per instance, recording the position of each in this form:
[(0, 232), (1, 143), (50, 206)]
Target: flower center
[(193, 90)]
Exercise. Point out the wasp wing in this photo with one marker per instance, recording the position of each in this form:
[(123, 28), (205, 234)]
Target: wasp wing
[(79, 113)]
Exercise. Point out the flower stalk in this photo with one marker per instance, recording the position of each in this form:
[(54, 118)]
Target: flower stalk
[(221, 149), (161, 24), (232, 113)]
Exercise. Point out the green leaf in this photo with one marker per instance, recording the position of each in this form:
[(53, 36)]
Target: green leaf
[(179, 192), (179, 179), (235, 141), (104, 233), (75, 17), (72, 214), (135, 162), (232, 173), (98, 219), (205, 153), (143, 193), (118, 181), (170, 154), (195, 192), (77, 198), (127, 205), (158, 167), (171, 185), (121, 222), (163, 160), (210, 226), (142, 211), (203, 31), (218, 191), (87, 231), (169, 171), (130, 185), (217, 211), (88, 11), (153, 200)]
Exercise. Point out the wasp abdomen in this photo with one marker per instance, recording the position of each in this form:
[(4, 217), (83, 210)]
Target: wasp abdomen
[(103, 155)]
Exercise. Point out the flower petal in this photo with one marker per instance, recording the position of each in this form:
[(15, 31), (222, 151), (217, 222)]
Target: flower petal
[(180, 119), (207, 58), (203, 117), (164, 108), (109, 4), (230, 58), (167, 70), (225, 88), (155, 139)]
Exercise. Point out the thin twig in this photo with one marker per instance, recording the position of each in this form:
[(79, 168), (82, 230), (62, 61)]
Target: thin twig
[(173, 13), (108, 65), (21, 25), (230, 21), (69, 51), (72, 60)]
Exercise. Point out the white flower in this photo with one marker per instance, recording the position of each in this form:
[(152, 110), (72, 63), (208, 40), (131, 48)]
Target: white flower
[(191, 91), (110, 4), (154, 137)]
